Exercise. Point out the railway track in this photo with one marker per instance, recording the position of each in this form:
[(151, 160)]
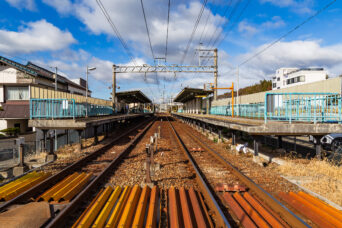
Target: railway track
[(239, 202), (192, 186), (79, 179)]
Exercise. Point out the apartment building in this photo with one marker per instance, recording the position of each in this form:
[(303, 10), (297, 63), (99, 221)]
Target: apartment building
[(288, 77), (16, 81)]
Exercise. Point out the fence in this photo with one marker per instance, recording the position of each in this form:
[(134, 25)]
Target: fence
[(65, 108), (303, 107), (242, 110), (307, 107)]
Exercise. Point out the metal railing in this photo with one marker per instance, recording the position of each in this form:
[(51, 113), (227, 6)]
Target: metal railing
[(242, 110), (64, 108), (305, 107), (301, 107)]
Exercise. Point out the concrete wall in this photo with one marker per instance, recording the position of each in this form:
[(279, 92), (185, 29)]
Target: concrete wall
[(332, 85), (2, 94), (8, 74), (3, 124)]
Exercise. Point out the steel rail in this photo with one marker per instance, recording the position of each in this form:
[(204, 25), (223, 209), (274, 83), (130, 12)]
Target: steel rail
[(63, 173), (221, 218), (277, 206), (61, 218)]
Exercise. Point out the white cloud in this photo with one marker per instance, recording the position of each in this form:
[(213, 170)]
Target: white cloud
[(23, 4), (301, 6), (62, 6), (35, 36), (297, 53), (128, 18), (247, 29), (276, 22)]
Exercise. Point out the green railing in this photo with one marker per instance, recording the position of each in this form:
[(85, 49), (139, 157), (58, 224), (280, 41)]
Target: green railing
[(65, 108), (301, 107)]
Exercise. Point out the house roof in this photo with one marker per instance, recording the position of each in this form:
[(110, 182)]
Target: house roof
[(135, 96), (188, 94), (16, 110), (37, 71), (18, 66)]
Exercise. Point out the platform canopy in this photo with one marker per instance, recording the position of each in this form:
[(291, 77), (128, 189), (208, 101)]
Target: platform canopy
[(135, 96), (188, 94)]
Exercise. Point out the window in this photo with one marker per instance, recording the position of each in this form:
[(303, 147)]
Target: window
[(288, 81), (278, 79), (302, 78), (17, 93), (274, 85)]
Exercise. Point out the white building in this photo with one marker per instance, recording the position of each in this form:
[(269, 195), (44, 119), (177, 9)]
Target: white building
[(288, 77)]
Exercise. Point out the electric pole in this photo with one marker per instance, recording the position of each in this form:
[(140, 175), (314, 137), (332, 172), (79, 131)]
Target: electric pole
[(215, 73), (114, 89), (56, 88), (237, 91)]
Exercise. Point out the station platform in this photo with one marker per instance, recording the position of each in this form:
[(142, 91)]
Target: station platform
[(81, 123), (259, 127)]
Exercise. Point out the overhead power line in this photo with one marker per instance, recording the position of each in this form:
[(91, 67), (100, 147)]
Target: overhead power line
[(147, 30), (232, 25), (285, 35), (116, 31), (193, 31), (167, 29), (288, 33), (227, 21)]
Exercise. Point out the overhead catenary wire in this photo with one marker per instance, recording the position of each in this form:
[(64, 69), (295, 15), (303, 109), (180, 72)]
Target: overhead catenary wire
[(232, 25), (147, 30), (193, 31), (167, 28), (116, 31)]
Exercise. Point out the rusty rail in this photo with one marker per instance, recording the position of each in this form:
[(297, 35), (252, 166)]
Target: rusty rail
[(275, 205), (221, 218), (61, 218), (47, 183)]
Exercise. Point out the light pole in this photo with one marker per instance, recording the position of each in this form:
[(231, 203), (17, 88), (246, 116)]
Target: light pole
[(56, 88), (87, 72)]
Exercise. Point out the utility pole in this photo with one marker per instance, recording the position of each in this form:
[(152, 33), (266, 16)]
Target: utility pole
[(56, 88), (215, 73), (114, 89), (87, 92), (237, 92), (87, 72)]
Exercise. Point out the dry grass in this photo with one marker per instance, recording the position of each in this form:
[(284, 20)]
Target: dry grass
[(320, 177)]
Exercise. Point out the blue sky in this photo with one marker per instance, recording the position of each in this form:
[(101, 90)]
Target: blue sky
[(73, 34)]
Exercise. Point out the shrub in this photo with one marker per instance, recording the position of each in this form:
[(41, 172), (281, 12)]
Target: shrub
[(11, 131)]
